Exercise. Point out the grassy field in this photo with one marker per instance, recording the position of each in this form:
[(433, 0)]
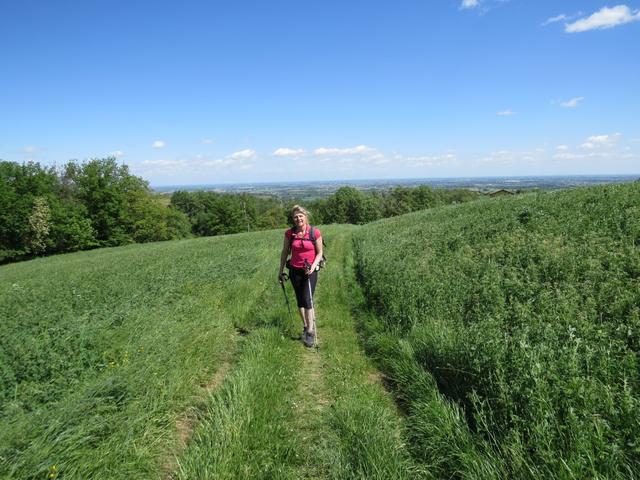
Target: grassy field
[(179, 360), (102, 350), (507, 332), (511, 331)]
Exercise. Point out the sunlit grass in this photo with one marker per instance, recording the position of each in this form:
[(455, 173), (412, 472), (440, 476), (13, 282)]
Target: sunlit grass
[(102, 350), (523, 315)]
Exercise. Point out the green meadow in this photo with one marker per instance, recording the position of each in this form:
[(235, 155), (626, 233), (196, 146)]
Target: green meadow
[(510, 329), (492, 339)]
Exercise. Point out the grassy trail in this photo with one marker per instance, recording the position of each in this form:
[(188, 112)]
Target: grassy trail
[(179, 360), (286, 411)]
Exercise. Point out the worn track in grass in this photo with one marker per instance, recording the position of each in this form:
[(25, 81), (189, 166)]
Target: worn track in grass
[(286, 411)]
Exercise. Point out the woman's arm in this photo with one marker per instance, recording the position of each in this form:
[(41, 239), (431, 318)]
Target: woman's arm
[(316, 261), (286, 247)]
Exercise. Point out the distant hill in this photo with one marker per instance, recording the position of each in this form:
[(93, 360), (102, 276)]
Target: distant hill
[(322, 189)]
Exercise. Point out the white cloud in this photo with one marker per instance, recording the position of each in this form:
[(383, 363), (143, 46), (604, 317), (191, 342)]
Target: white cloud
[(500, 157), (511, 157), (570, 156), (604, 18), (217, 162), (505, 113), (469, 3), (573, 103), (348, 157), (587, 155), (598, 141), (30, 149), (288, 152), (427, 160), (206, 141), (245, 154), (602, 150), (198, 164), (481, 6), (163, 162), (604, 138), (162, 165), (336, 152), (117, 154), (557, 18), (159, 144)]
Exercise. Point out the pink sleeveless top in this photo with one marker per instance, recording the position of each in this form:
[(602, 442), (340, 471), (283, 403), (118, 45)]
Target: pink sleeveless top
[(302, 248)]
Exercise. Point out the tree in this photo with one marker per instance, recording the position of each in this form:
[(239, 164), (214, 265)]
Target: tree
[(39, 226), (110, 195), (154, 222), (422, 197), (19, 186), (397, 202)]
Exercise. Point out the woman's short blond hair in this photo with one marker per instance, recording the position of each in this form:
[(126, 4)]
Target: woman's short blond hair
[(298, 208)]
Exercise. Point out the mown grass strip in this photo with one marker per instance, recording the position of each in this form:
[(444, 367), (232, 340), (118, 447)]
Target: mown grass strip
[(366, 427), (245, 427)]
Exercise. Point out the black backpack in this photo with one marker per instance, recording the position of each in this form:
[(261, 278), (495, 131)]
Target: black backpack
[(312, 238)]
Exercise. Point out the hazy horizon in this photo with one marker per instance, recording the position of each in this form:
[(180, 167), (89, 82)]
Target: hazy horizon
[(531, 180)]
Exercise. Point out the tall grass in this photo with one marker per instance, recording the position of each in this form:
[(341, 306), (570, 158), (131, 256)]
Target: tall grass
[(511, 329), (101, 351), (245, 429)]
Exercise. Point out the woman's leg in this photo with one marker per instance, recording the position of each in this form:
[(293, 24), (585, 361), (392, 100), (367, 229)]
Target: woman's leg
[(310, 315), (304, 286), (303, 316), (299, 283)]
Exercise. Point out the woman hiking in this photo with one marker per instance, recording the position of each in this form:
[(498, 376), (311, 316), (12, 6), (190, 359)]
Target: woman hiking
[(304, 242)]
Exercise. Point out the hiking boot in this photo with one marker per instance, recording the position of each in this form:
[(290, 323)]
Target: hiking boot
[(310, 339), (303, 336)]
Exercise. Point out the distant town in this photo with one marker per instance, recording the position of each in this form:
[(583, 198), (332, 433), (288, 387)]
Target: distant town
[(322, 189)]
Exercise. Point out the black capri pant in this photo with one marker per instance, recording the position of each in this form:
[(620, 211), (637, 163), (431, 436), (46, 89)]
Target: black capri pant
[(301, 286)]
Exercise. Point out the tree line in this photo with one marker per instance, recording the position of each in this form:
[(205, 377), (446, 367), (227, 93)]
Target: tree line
[(99, 203), (213, 213), (79, 206), (350, 205)]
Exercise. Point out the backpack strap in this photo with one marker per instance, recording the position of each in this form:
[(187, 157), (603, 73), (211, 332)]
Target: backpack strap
[(312, 235)]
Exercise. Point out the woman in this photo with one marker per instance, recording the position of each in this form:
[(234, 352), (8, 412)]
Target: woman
[(305, 247)]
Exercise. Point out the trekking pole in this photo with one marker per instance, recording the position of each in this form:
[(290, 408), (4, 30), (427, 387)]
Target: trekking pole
[(283, 279), (315, 320)]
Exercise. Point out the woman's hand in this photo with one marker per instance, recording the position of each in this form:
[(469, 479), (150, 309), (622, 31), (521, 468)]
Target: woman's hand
[(311, 268)]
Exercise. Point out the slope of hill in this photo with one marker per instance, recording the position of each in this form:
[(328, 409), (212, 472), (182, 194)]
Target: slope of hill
[(100, 350), (179, 360), (511, 330), (508, 330)]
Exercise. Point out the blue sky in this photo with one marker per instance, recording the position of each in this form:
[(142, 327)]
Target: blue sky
[(214, 92)]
